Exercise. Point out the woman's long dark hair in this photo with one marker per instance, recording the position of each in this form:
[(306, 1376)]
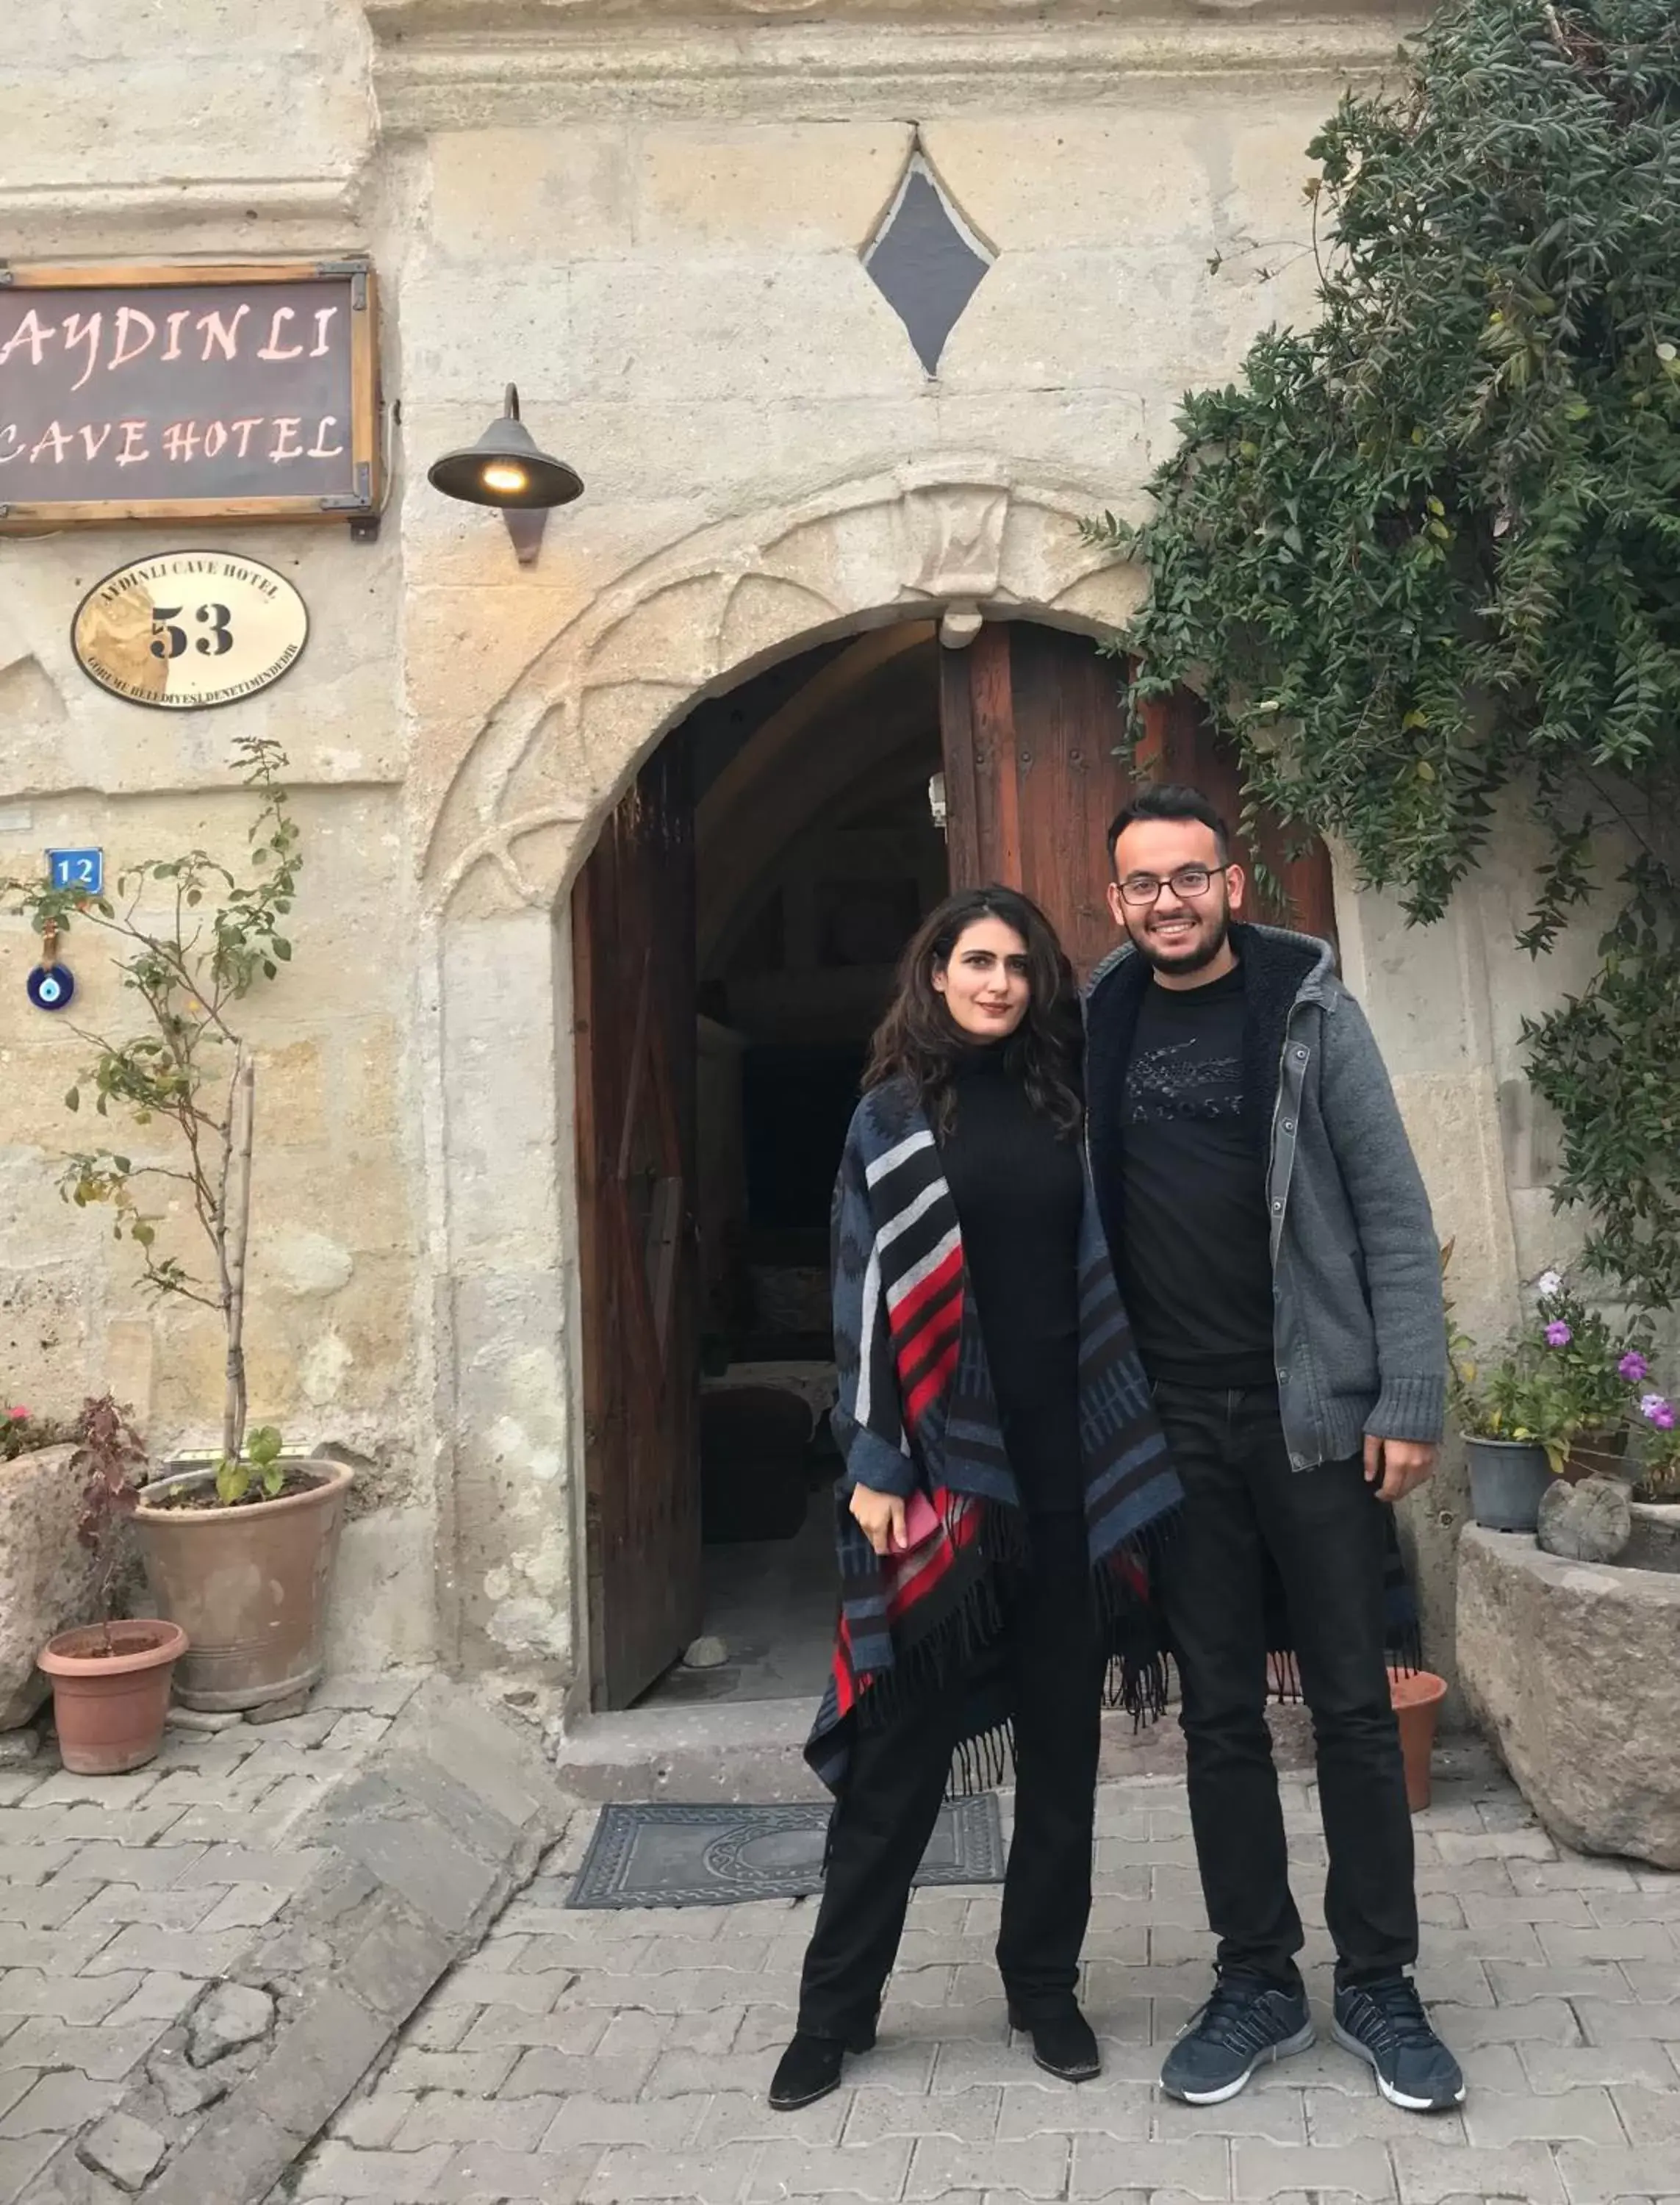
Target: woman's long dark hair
[(920, 1042)]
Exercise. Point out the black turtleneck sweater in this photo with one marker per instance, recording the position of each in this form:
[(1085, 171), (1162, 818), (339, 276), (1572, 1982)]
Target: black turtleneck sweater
[(1020, 1190)]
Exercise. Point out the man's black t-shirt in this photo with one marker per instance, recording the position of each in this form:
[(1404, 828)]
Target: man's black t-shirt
[(1196, 1265)]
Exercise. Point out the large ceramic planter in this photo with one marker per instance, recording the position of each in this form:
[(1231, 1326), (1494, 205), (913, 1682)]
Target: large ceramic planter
[(249, 1586), (111, 1691), (1507, 1480), (48, 1579)]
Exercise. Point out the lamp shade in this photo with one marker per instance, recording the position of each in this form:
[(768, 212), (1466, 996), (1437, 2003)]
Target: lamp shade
[(505, 469)]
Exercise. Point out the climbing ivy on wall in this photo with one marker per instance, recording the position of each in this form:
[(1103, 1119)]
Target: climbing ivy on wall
[(1426, 552)]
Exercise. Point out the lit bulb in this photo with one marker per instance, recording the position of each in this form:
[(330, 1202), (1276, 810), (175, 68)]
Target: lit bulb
[(502, 475)]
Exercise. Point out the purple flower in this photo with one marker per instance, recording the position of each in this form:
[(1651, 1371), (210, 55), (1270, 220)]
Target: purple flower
[(1632, 1366), (1658, 1411), (1557, 1334)]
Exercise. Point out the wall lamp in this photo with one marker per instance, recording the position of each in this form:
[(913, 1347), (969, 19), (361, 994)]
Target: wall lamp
[(506, 469)]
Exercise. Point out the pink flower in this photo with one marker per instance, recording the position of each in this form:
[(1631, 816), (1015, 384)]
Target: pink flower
[(1557, 1334), (17, 1416), (1632, 1366), (1658, 1411)]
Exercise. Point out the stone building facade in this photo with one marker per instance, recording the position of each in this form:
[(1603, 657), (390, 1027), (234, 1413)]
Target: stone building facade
[(650, 216)]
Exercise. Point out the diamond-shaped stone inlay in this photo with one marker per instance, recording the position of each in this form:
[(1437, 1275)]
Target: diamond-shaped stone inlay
[(925, 260)]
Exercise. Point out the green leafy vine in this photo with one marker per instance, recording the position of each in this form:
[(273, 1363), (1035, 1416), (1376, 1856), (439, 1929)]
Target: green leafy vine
[(1423, 559)]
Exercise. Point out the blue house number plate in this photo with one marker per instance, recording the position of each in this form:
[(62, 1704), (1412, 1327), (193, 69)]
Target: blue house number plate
[(81, 870)]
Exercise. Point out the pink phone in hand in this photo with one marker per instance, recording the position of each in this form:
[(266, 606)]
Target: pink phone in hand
[(920, 1522)]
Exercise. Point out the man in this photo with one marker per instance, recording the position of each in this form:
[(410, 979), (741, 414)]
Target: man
[(1274, 1244)]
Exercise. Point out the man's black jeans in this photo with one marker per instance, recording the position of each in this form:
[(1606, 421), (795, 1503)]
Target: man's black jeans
[(1323, 1528)]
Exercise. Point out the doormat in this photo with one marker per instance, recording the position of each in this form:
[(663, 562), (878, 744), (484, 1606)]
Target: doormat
[(714, 1856)]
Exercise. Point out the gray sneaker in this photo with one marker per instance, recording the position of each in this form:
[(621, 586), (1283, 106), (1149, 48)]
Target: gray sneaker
[(1243, 2024)]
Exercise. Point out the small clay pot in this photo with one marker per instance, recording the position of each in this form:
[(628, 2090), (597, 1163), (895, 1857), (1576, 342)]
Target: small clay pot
[(109, 1708), (1417, 1697)]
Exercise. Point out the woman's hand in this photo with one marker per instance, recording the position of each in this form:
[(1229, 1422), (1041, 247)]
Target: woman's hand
[(880, 1518)]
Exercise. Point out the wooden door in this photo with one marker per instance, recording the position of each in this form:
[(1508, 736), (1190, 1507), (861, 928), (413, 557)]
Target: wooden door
[(632, 921), (1037, 763)]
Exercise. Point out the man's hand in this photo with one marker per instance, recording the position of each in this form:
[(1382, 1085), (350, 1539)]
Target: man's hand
[(1401, 1466), (880, 1517)]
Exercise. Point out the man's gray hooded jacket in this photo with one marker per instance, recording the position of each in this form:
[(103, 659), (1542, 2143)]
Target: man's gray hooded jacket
[(1359, 1333)]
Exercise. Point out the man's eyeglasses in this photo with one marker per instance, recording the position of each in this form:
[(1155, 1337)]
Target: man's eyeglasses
[(1188, 883)]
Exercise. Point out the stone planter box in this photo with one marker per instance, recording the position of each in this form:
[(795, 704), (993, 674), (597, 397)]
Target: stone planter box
[(48, 1578), (1570, 1669)]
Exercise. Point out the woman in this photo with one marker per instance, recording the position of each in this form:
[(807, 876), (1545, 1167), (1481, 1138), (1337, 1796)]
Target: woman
[(1003, 1475)]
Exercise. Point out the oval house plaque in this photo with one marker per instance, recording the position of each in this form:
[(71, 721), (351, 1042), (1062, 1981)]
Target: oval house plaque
[(185, 630)]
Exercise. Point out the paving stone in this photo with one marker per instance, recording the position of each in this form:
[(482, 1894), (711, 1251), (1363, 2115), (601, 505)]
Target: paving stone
[(1594, 2175), (123, 2148), (663, 2123), (1201, 2169), (337, 2170), (1360, 2170), (1335, 2118), (575, 2030), (116, 1905), (741, 2116), (219, 1863), (1583, 2115), (162, 1996), (30, 1991), (1036, 2167), (58, 2104), (481, 2073), (233, 2015), (1429, 2174), (1572, 2066), (1278, 2115), (1546, 2021), (1607, 2021), (21, 2160), (543, 2071), (628, 2171), (512, 2125), (151, 1868), (1650, 2117), (970, 2116), (485, 2174), (876, 2171), (183, 2090), (106, 2054)]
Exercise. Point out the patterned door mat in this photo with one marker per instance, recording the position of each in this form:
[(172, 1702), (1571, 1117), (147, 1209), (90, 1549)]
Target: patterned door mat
[(712, 1856)]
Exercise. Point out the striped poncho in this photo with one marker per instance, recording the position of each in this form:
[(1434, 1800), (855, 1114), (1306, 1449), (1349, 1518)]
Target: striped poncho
[(917, 1414)]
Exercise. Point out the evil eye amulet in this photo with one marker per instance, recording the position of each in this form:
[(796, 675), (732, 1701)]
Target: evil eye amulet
[(50, 988)]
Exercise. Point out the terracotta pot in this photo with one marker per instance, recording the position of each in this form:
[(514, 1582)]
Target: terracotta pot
[(108, 1708), (249, 1585), (1599, 1454), (1417, 1701)]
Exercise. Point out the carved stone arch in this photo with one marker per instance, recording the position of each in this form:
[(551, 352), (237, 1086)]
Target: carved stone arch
[(496, 1014), (555, 755)]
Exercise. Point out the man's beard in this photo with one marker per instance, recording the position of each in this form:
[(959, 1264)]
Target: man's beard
[(1195, 957)]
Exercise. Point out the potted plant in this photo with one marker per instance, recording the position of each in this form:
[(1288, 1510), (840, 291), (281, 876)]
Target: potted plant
[(239, 1552), (111, 1681), (1558, 1401)]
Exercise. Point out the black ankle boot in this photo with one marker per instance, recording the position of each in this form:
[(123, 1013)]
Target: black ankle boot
[(810, 2067), (1063, 2042)]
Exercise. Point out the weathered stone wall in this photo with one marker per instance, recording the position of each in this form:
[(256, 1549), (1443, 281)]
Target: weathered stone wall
[(650, 219)]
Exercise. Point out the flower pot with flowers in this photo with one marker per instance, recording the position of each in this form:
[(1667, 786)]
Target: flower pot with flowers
[(239, 1552), (1559, 1399)]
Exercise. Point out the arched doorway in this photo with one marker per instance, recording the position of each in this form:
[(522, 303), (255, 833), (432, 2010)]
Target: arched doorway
[(734, 934)]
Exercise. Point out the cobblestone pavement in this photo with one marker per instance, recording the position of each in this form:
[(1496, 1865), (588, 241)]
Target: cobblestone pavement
[(121, 1896), (609, 2057)]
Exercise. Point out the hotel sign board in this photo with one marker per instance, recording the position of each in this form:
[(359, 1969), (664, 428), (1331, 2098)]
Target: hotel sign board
[(233, 391)]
